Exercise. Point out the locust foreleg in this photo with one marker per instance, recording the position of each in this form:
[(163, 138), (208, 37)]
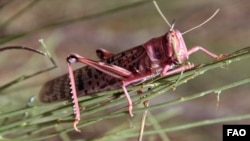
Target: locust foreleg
[(197, 48)]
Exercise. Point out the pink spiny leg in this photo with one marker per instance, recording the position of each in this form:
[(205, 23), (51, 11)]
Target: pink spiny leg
[(196, 48), (74, 95), (112, 70), (109, 69)]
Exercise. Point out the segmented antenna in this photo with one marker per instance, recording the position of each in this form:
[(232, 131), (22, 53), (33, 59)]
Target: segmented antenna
[(172, 26), (164, 18), (215, 13)]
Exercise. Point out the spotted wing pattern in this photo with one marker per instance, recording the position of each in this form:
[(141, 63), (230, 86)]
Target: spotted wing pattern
[(90, 80)]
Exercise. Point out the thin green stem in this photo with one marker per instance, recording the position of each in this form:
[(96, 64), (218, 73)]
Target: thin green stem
[(70, 21), (24, 77), (18, 13)]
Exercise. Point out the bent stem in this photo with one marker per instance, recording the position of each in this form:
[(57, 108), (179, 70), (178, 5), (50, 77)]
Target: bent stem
[(24, 77)]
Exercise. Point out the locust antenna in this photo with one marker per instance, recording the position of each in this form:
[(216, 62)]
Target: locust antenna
[(215, 13), (159, 11), (172, 26)]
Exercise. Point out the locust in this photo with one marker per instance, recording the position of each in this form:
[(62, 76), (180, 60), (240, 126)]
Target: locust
[(160, 56)]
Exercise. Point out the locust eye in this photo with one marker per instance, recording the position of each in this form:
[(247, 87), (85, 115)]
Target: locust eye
[(72, 59), (179, 47), (176, 50)]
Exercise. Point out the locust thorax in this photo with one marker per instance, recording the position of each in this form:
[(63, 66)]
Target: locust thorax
[(177, 45)]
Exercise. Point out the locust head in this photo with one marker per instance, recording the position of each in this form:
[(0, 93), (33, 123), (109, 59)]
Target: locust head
[(177, 45)]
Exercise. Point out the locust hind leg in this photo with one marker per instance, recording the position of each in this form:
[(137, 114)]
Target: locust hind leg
[(109, 69)]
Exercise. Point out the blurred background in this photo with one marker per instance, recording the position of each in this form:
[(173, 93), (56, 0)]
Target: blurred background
[(120, 30)]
